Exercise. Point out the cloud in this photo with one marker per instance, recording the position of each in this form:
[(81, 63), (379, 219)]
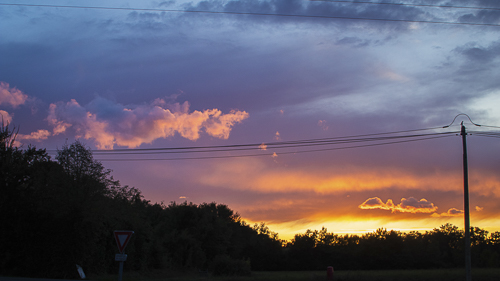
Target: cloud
[(410, 205), (311, 8), (453, 212), (11, 96), (241, 175), (5, 116), (479, 209), (219, 125), (37, 136), (353, 41), (479, 54), (323, 125), (59, 126), (111, 124), (482, 16)]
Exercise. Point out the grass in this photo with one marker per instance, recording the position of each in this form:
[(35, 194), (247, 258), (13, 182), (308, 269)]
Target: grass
[(479, 274)]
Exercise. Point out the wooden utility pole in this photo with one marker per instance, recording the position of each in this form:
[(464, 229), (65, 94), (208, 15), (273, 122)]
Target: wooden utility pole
[(468, 277)]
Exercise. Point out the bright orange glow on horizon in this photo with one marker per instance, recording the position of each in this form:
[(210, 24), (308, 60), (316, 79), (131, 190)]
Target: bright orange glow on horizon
[(360, 226)]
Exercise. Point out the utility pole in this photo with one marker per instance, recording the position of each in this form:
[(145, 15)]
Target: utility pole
[(468, 277)]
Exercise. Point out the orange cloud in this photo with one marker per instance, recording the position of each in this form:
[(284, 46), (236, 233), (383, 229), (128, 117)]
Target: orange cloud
[(220, 124), (410, 205), (453, 212), (111, 124), (34, 136), (59, 126), (38, 135), (11, 96), (229, 173), (323, 125)]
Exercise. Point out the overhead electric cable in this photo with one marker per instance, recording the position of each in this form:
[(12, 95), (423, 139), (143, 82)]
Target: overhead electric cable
[(485, 134), (270, 143), (408, 4), (281, 145), (250, 13), (269, 154)]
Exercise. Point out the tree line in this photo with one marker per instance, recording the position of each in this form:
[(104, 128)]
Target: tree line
[(55, 214)]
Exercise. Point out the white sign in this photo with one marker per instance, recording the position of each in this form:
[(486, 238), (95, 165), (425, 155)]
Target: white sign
[(122, 237), (120, 257)]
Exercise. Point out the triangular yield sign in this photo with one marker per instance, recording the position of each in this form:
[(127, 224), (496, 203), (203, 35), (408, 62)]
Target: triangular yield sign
[(122, 237)]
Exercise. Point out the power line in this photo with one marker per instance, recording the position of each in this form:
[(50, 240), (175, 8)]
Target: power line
[(274, 146), (409, 5), (286, 147), (269, 143), (253, 145), (266, 154), (251, 13), (485, 134), (415, 138)]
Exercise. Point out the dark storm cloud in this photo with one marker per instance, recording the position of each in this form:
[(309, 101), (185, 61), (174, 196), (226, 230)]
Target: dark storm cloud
[(489, 17), (303, 9), (374, 14), (480, 54), (354, 42)]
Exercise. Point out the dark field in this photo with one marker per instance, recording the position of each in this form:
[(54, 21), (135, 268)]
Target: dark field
[(484, 274)]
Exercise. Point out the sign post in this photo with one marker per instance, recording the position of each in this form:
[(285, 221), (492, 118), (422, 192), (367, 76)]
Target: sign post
[(122, 238)]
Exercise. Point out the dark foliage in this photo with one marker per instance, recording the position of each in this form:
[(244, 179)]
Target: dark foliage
[(56, 214), (442, 247)]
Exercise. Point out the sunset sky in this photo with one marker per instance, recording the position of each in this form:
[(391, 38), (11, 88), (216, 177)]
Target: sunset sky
[(131, 74)]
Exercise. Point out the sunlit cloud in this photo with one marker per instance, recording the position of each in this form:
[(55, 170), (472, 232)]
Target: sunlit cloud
[(479, 209), (11, 96), (487, 106), (111, 124), (219, 125), (410, 205), (393, 76), (36, 136), (59, 126), (323, 125), (259, 177), (5, 116), (453, 212)]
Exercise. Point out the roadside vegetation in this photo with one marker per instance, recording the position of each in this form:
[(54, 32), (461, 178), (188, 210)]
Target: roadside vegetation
[(56, 213), (453, 274)]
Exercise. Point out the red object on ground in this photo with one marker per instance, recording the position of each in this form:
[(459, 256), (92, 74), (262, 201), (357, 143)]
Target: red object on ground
[(329, 273)]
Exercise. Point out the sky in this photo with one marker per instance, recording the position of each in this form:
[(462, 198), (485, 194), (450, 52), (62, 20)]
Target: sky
[(129, 75)]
